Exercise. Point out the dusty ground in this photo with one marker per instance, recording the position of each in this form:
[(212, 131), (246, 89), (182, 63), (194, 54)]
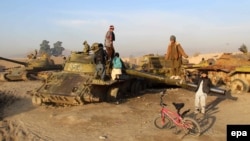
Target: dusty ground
[(131, 120)]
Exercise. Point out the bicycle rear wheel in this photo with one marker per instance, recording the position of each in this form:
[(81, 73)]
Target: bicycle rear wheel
[(192, 127), (163, 123)]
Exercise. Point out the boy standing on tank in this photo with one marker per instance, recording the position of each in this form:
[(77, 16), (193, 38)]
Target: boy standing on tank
[(203, 88), (99, 59), (117, 66)]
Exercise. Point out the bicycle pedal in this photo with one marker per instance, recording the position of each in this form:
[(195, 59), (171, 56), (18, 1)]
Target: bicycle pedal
[(176, 130)]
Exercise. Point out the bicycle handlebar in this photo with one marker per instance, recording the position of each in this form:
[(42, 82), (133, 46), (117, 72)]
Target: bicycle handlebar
[(162, 95)]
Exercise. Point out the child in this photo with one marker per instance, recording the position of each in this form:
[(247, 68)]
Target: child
[(202, 90), (117, 66)]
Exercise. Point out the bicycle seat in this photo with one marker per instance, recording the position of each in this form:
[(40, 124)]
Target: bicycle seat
[(178, 106)]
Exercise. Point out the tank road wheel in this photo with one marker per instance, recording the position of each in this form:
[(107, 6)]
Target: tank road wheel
[(132, 88), (114, 94), (239, 86), (37, 101), (24, 76), (136, 88), (149, 84), (2, 77), (143, 86)]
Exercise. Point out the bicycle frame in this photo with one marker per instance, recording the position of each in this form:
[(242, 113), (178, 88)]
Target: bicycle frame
[(177, 119)]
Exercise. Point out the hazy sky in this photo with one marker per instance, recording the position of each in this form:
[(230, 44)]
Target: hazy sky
[(141, 26)]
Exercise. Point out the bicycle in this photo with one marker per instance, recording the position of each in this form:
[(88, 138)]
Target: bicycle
[(168, 117)]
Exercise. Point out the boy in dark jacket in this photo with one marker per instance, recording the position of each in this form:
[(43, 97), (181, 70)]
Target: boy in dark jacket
[(204, 85), (99, 59)]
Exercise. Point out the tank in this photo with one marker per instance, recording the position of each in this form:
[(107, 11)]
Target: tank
[(157, 65), (35, 68), (77, 84), (229, 71)]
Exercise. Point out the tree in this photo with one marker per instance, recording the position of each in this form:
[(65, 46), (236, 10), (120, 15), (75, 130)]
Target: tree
[(243, 48)]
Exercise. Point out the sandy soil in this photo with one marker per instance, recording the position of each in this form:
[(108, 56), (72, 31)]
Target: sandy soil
[(132, 120)]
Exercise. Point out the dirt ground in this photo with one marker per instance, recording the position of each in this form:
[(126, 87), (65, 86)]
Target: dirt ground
[(132, 120)]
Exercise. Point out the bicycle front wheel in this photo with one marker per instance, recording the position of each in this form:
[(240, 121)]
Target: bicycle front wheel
[(163, 122), (192, 127)]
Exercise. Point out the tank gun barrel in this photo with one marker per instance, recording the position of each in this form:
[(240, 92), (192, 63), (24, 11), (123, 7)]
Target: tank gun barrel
[(212, 89), (153, 77), (193, 66), (14, 61), (144, 75), (168, 81)]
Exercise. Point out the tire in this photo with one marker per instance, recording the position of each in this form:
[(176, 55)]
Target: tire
[(160, 125), (192, 127), (239, 86)]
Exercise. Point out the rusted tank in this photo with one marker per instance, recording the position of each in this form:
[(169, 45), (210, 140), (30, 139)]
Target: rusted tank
[(155, 64), (77, 84), (230, 71), (32, 69)]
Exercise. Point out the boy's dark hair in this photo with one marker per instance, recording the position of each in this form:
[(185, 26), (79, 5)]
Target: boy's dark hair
[(116, 54), (204, 72), (100, 45)]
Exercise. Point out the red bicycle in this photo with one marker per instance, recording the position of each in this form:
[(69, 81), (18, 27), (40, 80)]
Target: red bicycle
[(168, 118)]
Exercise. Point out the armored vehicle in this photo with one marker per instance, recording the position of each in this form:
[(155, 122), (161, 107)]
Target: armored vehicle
[(34, 68), (230, 71), (78, 84), (157, 65)]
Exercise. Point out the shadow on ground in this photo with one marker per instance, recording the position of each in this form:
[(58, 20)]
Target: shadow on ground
[(11, 104)]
